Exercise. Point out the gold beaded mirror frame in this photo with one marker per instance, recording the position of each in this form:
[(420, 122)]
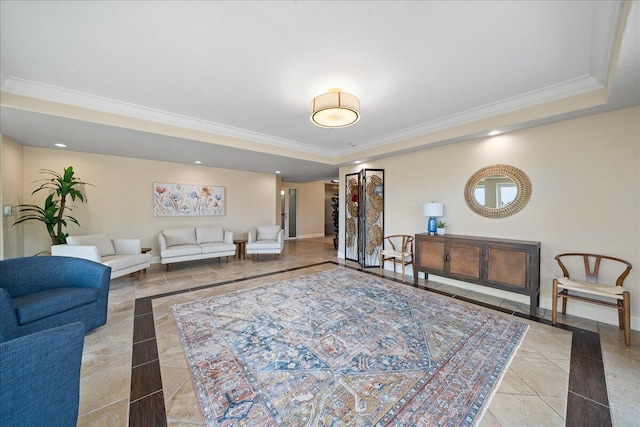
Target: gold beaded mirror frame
[(519, 178)]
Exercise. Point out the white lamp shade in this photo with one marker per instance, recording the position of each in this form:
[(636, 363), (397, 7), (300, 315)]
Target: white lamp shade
[(432, 209), (335, 109)]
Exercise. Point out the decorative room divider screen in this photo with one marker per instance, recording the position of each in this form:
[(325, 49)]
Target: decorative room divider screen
[(364, 216)]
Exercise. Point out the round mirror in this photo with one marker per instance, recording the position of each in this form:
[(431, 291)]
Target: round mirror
[(495, 191), (498, 191)]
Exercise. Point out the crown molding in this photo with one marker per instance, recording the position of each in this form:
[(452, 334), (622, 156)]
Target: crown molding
[(60, 95), (535, 98), (557, 92)]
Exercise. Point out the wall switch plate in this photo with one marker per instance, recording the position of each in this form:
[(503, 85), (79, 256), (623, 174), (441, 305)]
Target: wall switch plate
[(6, 210)]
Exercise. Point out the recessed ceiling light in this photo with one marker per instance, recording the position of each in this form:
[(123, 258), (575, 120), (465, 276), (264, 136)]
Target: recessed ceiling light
[(197, 162), (493, 133), (60, 145), (277, 171), (358, 162)]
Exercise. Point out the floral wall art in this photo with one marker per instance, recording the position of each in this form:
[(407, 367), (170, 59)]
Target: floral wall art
[(187, 200)]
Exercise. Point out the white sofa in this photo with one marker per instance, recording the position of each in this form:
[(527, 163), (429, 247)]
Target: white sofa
[(122, 255), (193, 243), (267, 239)]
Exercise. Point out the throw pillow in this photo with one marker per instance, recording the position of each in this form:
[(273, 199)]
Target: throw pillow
[(180, 236), (210, 234), (268, 232), (100, 241)]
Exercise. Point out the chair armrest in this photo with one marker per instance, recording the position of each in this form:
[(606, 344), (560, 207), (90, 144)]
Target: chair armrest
[(40, 377), (127, 246), (162, 242), (21, 276), (9, 328), (252, 236), (85, 252), (281, 236), (228, 237)]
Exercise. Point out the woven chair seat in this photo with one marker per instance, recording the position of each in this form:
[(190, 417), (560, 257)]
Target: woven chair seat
[(397, 254), (591, 288)]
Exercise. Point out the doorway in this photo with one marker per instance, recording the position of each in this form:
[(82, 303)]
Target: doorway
[(289, 212)]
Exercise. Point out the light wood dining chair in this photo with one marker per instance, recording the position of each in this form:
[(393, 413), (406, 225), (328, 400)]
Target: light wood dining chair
[(399, 249), (591, 286)]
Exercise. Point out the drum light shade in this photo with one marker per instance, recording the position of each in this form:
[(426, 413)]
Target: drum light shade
[(335, 109), (432, 209)]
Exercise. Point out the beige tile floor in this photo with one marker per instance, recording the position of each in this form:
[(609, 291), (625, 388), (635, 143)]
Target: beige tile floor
[(532, 392)]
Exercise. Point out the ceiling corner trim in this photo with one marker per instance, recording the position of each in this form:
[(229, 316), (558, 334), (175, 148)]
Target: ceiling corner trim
[(623, 13), (608, 29)]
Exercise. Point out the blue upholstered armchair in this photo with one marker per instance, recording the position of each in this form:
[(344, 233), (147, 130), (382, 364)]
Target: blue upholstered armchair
[(40, 377), (38, 293)]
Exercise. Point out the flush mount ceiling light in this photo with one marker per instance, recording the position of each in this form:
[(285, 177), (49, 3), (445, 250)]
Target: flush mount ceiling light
[(335, 109)]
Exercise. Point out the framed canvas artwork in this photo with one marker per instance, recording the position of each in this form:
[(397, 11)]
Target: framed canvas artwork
[(187, 200)]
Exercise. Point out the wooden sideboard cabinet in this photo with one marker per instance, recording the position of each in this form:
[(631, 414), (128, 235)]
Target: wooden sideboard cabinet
[(510, 265)]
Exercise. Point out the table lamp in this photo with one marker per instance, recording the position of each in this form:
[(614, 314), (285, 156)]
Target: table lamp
[(432, 210)]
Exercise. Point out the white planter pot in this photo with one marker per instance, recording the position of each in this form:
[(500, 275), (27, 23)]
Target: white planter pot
[(441, 231)]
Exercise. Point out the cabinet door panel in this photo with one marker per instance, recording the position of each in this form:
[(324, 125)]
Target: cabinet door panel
[(432, 255), (464, 261), (507, 267)]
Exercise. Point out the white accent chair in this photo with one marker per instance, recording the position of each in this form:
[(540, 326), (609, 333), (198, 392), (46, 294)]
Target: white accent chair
[(266, 239), (124, 256)]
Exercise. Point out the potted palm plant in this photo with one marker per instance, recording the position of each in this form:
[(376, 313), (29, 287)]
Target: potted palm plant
[(52, 214)]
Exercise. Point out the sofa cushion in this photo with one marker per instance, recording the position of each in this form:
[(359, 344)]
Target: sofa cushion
[(100, 241), (264, 244), (268, 232), (38, 305), (180, 236), (209, 234), (181, 250), (120, 262), (210, 248)]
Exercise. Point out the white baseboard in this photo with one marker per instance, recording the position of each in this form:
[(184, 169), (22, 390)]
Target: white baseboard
[(309, 236)]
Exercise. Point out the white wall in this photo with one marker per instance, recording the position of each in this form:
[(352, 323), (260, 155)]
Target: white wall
[(11, 190), (310, 208), (120, 202), (586, 193)]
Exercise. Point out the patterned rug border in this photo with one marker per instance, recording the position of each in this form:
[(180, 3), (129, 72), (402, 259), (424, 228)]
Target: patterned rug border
[(476, 415)]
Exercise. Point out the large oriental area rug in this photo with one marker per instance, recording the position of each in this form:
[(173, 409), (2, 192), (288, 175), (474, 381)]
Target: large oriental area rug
[(343, 348)]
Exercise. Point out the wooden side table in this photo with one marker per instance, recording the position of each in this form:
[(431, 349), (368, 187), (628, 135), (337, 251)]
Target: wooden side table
[(144, 270), (240, 246), (144, 251)]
